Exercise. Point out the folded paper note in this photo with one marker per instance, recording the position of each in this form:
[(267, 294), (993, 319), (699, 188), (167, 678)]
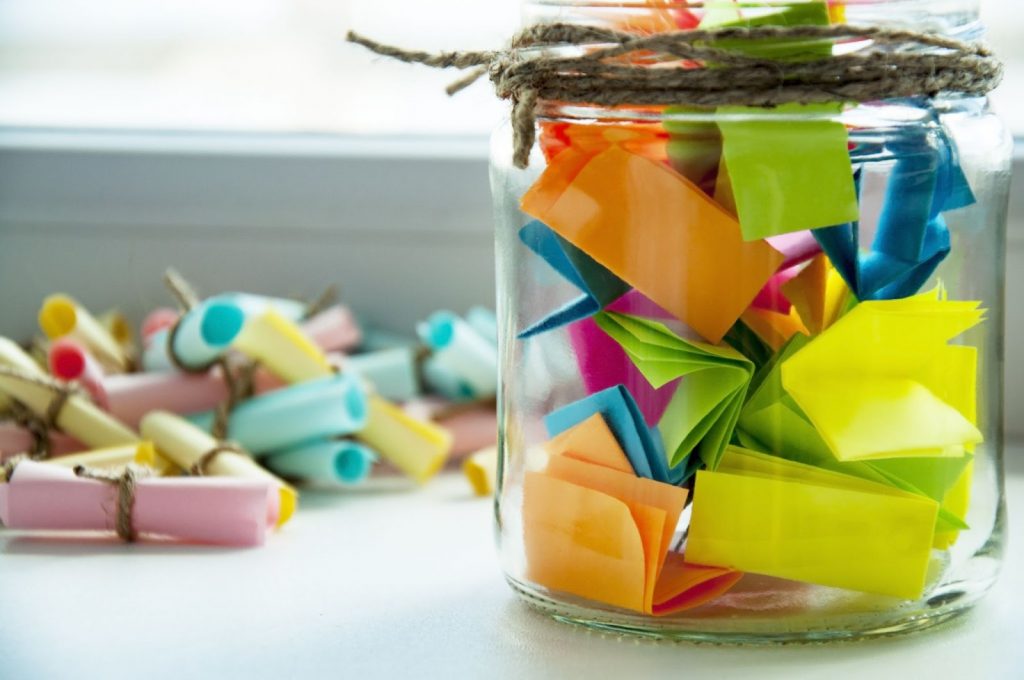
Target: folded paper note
[(787, 177), (800, 13), (911, 238), (326, 407), (771, 421), (278, 343), (694, 148), (882, 382), (188, 446), (768, 515), (706, 405), (195, 510), (599, 286), (642, 446), (332, 461), (603, 364), (677, 249), (462, 352), (202, 335), (416, 447), (60, 316), (392, 372), (78, 417)]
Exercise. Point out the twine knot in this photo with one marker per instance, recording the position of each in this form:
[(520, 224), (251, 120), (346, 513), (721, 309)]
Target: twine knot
[(126, 483), (40, 427)]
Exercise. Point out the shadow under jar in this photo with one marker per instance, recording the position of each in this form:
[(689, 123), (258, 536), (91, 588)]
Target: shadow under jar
[(751, 358)]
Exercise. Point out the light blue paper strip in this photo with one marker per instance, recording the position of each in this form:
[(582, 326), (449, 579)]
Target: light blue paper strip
[(326, 407), (462, 351), (444, 382), (484, 322), (339, 461), (253, 304), (375, 339), (392, 372), (204, 333), (642, 446)]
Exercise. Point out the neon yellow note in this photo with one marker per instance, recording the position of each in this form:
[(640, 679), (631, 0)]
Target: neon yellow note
[(882, 382), (767, 515)]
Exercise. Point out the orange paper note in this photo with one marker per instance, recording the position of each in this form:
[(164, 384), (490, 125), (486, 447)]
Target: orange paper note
[(657, 231), (591, 441)]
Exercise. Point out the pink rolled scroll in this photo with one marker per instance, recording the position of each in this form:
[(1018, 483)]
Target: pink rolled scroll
[(335, 328), (214, 510), (472, 426), (156, 321), (70, 360), (130, 396), (14, 440), (603, 364)]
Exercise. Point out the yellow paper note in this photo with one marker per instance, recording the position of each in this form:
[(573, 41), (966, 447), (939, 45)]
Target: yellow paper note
[(281, 346), (185, 444), (79, 417), (956, 501), (771, 516), (416, 447), (882, 382), (657, 231), (62, 316), (481, 469), (117, 457), (591, 441)]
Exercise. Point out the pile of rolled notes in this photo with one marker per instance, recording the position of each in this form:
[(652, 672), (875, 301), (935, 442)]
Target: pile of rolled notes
[(199, 430)]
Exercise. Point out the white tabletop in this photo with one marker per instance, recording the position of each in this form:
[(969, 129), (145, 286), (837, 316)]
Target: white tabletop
[(392, 583)]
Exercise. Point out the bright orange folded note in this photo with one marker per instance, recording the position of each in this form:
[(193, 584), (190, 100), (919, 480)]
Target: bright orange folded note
[(591, 441), (657, 231)]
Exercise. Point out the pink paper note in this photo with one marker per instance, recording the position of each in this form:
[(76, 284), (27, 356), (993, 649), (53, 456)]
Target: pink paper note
[(771, 297), (15, 439), (472, 428), (335, 328), (796, 247), (130, 396), (603, 364), (216, 510), (156, 321)]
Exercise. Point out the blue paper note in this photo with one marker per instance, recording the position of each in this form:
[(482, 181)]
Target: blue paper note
[(392, 372), (912, 238), (461, 351), (642, 446), (599, 286)]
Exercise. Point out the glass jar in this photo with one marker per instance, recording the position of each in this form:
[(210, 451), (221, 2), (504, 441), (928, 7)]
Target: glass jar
[(751, 359)]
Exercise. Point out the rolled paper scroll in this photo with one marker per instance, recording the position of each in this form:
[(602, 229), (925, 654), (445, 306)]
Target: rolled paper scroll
[(16, 440), (767, 515), (202, 335), (253, 305), (601, 206), (188, 446), (462, 351), (78, 417), (484, 322), (444, 381), (332, 406), (13, 355), (131, 396), (117, 325), (217, 511), (62, 316), (335, 461), (159, 319), (118, 457), (481, 469), (280, 345), (392, 372), (376, 338), (335, 328), (416, 447), (70, 361), (472, 425)]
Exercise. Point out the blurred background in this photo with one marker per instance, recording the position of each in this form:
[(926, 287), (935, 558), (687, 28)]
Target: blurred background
[(244, 142)]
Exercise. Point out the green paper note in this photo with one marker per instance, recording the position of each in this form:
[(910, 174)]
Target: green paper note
[(788, 177), (704, 410), (810, 13)]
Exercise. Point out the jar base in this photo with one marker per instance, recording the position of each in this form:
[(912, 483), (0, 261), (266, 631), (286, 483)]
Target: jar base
[(939, 608)]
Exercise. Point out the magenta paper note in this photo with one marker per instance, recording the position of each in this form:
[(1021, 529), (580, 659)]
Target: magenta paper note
[(335, 328), (215, 510), (603, 364), (14, 439), (770, 297)]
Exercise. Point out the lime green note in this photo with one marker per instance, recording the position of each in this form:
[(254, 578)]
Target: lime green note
[(787, 177), (797, 13), (768, 515), (882, 382), (772, 422), (705, 407)]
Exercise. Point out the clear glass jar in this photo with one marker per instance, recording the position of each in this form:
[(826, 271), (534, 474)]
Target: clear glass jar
[(751, 359)]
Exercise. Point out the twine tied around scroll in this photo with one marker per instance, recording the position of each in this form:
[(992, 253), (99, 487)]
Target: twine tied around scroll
[(40, 427), (897, 63), (198, 468), (126, 483)]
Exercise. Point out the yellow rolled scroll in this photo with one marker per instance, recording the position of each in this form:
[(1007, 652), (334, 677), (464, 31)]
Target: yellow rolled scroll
[(281, 346), (62, 316)]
